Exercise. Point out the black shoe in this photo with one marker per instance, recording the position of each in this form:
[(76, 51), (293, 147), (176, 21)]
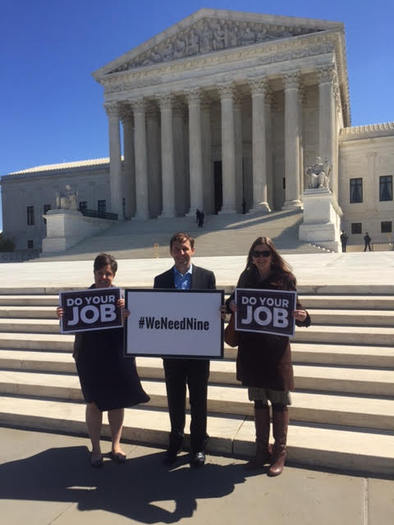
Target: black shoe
[(170, 457), (197, 459)]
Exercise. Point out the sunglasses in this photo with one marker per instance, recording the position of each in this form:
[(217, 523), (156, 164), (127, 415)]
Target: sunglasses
[(264, 253)]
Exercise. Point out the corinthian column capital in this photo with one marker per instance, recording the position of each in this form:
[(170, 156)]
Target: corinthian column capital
[(138, 105), (112, 109), (258, 86), (126, 114), (226, 90), (327, 74), (292, 80), (193, 96), (166, 101)]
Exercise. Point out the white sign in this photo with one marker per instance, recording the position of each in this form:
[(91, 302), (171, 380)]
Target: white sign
[(174, 323)]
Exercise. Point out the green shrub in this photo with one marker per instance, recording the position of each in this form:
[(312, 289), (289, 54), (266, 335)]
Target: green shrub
[(6, 245)]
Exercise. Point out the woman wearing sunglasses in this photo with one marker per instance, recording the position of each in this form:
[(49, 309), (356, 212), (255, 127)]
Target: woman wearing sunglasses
[(264, 360)]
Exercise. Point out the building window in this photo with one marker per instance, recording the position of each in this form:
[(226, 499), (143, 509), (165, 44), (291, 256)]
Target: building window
[(83, 205), (46, 208), (30, 245), (386, 188), (101, 207), (356, 190), (30, 215), (386, 227), (356, 227)]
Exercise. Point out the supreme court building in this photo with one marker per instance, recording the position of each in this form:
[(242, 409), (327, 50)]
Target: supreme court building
[(224, 112)]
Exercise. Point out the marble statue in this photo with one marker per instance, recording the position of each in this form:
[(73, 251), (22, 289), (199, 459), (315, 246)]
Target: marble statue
[(67, 199), (319, 174)]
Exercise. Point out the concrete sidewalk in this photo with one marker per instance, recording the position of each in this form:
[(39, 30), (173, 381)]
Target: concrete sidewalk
[(46, 479)]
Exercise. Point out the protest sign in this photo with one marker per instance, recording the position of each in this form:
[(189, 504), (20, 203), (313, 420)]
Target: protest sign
[(93, 309), (267, 311), (175, 323)]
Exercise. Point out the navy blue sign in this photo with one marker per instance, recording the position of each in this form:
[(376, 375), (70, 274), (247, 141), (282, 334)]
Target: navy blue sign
[(267, 311), (93, 309)]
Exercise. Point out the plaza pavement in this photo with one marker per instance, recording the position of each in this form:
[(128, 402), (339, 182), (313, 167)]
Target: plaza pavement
[(45, 479), (341, 272)]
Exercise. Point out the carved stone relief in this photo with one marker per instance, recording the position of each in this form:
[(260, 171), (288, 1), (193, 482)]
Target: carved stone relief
[(210, 35)]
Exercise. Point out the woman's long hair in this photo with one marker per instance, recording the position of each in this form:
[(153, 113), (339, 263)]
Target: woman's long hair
[(279, 266)]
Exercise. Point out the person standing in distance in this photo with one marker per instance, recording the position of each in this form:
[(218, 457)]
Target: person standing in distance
[(344, 238), (180, 372), (367, 242)]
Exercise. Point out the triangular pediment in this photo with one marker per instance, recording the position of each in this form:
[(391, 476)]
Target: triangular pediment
[(209, 31)]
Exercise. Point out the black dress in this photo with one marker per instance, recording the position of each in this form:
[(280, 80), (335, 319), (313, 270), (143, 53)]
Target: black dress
[(107, 378)]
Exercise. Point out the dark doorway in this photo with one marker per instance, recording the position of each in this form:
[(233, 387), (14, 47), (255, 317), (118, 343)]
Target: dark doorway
[(218, 186)]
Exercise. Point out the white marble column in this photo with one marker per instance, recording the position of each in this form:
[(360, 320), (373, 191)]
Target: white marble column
[(327, 122), (167, 156), (195, 151), (292, 142), (115, 164), (180, 167), (239, 182), (153, 144), (129, 162), (228, 148), (141, 160), (268, 148), (208, 182), (259, 147)]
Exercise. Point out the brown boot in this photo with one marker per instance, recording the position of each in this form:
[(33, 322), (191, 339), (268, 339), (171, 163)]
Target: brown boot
[(280, 420), (262, 424)]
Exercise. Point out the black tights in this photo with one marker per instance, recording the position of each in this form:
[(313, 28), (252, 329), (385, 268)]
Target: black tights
[(261, 404)]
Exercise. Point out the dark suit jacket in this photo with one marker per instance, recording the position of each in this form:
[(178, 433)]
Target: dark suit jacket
[(201, 279)]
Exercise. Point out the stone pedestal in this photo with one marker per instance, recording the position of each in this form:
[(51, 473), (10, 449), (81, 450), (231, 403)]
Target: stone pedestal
[(65, 228), (322, 219)]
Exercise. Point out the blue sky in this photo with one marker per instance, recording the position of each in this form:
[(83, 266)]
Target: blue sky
[(51, 107)]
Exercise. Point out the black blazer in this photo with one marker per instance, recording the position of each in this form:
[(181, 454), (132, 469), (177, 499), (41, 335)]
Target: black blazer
[(202, 279)]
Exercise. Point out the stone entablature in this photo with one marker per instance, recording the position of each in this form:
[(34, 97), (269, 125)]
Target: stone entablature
[(370, 131)]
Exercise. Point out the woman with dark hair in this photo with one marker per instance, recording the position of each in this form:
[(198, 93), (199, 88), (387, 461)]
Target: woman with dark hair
[(264, 360), (109, 381)]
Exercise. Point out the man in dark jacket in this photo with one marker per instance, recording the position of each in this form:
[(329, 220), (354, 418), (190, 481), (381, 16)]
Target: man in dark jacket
[(191, 372)]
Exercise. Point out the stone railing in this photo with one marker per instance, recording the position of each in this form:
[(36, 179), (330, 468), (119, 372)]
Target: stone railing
[(100, 214)]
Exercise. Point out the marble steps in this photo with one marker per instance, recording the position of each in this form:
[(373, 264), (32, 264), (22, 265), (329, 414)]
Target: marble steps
[(315, 301), (320, 316), (335, 334), (347, 302), (312, 407), (352, 317), (22, 300), (303, 353), (378, 382), (336, 447)]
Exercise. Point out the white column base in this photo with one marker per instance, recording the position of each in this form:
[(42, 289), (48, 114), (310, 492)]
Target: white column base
[(227, 210), (167, 215), (292, 205), (261, 207)]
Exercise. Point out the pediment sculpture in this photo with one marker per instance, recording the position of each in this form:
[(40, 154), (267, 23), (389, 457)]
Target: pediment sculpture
[(209, 35)]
